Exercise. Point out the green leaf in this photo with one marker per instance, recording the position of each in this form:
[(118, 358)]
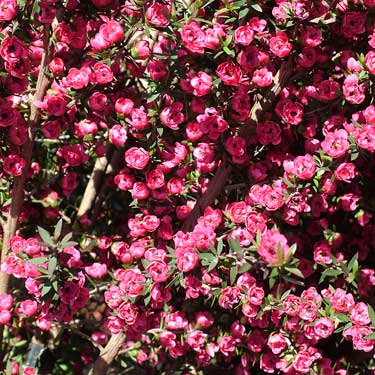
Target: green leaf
[(243, 13), (329, 272), (45, 236), (40, 260), (64, 245), (52, 266), (228, 51), (292, 250), (295, 271), (233, 274), (219, 247), (353, 263), (234, 246), (153, 97), (206, 256), (244, 268), (46, 289), (67, 237), (342, 317), (9, 367), (213, 264), (371, 313), (257, 7), (371, 336), (258, 238), (292, 280), (58, 228)]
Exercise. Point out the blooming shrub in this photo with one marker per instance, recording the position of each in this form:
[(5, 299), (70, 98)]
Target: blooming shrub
[(193, 179)]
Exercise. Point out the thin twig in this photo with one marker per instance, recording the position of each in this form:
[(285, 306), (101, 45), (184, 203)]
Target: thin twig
[(108, 354), (93, 185)]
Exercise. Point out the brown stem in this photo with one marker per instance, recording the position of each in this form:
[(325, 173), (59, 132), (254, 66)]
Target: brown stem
[(224, 171), (19, 181), (93, 185), (107, 354), (112, 167), (27, 149)]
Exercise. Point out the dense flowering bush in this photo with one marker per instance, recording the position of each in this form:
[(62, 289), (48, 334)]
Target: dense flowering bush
[(187, 184)]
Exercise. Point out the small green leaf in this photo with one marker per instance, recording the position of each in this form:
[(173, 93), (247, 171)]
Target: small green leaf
[(228, 51), (219, 247), (58, 228), (45, 236), (40, 260), (52, 266), (206, 256), (292, 280), (234, 246), (213, 264), (243, 13), (233, 274), (257, 7), (9, 367), (64, 245), (295, 271), (352, 263), (371, 313), (371, 336), (46, 289), (329, 272), (244, 268), (342, 317)]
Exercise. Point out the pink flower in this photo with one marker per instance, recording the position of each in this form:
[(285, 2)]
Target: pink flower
[(353, 24), (346, 172), (360, 315), (229, 297), (365, 137), (128, 313), (74, 155), (102, 73), (262, 77), (28, 308), (193, 38), (77, 78), (354, 92), (323, 327), (302, 362), (172, 116), (158, 271), (137, 158), (229, 73), (243, 35), (341, 301), (187, 259), (335, 144), (289, 111), (279, 44), (201, 83), (227, 345), (114, 324), (358, 334), (322, 253), (268, 132), (8, 9), (14, 165), (156, 12), (302, 167), (96, 270), (118, 135)]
